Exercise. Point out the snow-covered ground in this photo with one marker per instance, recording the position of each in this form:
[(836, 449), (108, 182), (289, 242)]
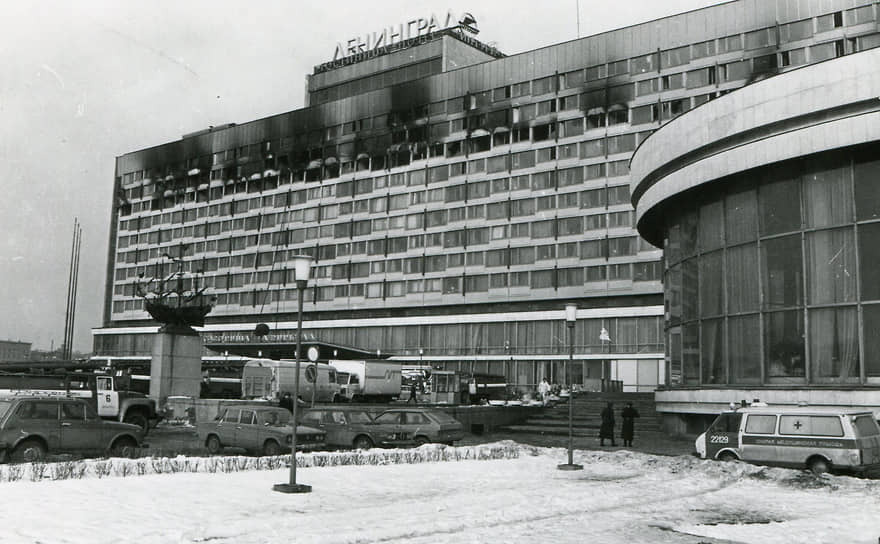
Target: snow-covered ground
[(619, 497)]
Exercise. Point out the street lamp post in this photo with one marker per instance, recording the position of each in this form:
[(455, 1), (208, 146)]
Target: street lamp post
[(302, 265), (570, 319)]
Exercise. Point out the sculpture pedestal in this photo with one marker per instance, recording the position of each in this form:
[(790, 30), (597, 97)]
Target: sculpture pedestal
[(176, 368)]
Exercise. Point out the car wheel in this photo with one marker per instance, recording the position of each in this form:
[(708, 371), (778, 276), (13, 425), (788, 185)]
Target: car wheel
[(727, 457), (420, 440), (124, 447), (819, 465), (271, 448), (213, 444), (29, 451), (363, 443), (137, 418)]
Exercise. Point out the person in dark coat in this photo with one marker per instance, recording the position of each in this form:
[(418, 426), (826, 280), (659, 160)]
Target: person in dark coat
[(607, 428), (286, 402), (629, 415), (413, 389)]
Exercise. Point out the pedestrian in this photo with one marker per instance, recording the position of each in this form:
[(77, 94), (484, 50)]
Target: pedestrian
[(286, 402), (607, 428), (413, 389), (628, 414), (544, 390)]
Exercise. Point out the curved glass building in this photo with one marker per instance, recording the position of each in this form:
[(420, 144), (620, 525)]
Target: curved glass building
[(766, 203)]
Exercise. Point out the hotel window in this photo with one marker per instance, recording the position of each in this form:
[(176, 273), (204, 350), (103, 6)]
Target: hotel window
[(477, 211), (546, 154), (570, 102), (828, 50), (730, 43), (543, 180), (435, 263), (593, 148), (594, 171), (572, 127), (618, 168), (701, 77), (542, 86), (501, 93), (570, 225), (475, 258), (546, 203), (618, 115), (522, 255), (568, 200), (621, 144), (520, 89), (760, 38), (435, 218), (618, 195), (497, 210), (766, 63), (828, 22), (595, 198), (645, 63), (675, 57), (498, 233), (415, 242), (497, 164), (703, 49), (674, 107), (859, 15), (497, 281), (496, 257), (618, 247), (545, 252), (519, 230), (620, 219), (794, 57), (572, 79), (798, 30), (596, 72), (595, 119), (524, 159), (568, 151), (478, 190), (647, 86), (618, 68), (672, 81)]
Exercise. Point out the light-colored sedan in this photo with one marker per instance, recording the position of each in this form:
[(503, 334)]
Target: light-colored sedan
[(257, 428)]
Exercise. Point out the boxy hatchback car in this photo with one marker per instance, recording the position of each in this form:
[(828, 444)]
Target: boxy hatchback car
[(345, 427), (404, 426), (257, 428), (31, 427)]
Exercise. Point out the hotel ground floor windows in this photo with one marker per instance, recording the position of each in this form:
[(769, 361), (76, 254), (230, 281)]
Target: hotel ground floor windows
[(772, 278)]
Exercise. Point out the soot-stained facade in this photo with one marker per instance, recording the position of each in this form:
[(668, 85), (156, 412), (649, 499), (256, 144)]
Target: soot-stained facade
[(454, 199)]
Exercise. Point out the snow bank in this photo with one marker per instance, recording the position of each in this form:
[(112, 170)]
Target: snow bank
[(122, 467)]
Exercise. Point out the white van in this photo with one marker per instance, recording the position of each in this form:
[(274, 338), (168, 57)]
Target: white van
[(817, 438), (270, 379)]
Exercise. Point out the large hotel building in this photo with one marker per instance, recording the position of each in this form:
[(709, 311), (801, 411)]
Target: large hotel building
[(456, 199)]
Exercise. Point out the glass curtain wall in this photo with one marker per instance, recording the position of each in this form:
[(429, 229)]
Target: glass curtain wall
[(772, 278)]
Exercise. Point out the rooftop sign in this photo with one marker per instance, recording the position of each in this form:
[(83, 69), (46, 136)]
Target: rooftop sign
[(395, 37)]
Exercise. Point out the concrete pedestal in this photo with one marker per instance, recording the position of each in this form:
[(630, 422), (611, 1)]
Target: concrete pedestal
[(176, 368)]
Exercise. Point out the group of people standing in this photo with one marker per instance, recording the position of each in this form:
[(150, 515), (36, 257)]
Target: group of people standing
[(606, 430)]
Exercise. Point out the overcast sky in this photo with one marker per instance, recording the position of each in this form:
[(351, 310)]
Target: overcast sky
[(86, 81)]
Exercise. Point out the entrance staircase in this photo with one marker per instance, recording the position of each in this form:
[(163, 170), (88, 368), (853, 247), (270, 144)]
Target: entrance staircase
[(587, 418)]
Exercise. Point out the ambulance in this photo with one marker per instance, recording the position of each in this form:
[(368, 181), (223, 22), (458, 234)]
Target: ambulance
[(820, 439)]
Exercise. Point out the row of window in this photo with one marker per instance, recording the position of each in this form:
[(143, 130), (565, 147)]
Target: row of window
[(586, 249), (456, 285), (506, 209)]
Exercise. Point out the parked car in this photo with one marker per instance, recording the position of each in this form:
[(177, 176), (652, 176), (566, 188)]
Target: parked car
[(345, 427), (400, 426), (256, 428), (32, 427)]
